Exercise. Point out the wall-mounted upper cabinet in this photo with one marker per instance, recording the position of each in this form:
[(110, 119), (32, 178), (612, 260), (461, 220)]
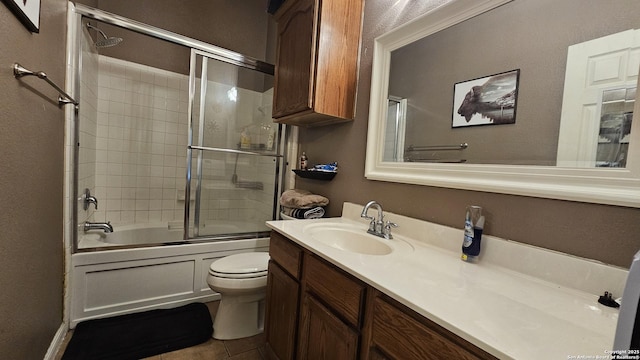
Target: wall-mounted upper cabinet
[(317, 61)]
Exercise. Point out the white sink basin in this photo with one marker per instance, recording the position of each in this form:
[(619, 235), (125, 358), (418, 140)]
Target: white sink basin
[(353, 239)]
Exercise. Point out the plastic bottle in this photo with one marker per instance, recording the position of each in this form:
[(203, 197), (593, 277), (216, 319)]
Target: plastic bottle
[(304, 162), (473, 226), (270, 138), (245, 139)]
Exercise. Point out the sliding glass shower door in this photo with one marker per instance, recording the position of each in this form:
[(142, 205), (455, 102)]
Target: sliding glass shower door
[(234, 151)]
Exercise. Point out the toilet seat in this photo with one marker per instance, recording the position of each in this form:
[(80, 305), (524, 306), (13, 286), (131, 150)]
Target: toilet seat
[(241, 266)]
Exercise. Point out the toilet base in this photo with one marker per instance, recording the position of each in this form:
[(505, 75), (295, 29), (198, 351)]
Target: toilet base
[(239, 316)]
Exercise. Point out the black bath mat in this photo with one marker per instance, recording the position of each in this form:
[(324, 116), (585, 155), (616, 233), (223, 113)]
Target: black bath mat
[(140, 335)]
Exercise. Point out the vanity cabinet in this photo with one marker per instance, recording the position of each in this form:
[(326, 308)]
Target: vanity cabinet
[(317, 60), (318, 311), (313, 309)]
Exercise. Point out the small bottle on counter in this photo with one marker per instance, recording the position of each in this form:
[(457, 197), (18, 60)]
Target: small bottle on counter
[(304, 162), (473, 226)]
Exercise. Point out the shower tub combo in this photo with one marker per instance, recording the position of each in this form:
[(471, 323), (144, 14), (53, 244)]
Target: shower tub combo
[(120, 281), (171, 216)]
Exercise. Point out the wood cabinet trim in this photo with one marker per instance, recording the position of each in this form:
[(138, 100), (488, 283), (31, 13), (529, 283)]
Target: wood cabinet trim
[(336, 66)]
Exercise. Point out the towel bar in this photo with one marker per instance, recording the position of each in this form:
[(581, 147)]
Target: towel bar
[(437, 161), (232, 151), (437, 147), (63, 98)]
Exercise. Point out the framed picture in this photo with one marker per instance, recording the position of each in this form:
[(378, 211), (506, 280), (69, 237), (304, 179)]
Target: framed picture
[(490, 100), (28, 11)]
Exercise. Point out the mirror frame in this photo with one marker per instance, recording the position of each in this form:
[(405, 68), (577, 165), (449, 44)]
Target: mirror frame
[(611, 186)]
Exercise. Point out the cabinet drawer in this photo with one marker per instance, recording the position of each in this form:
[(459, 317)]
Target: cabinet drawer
[(400, 335), (287, 254), (344, 294)]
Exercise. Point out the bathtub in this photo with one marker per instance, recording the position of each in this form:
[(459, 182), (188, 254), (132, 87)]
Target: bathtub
[(168, 273), (159, 233)]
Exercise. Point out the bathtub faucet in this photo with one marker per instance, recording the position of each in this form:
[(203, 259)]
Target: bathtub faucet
[(106, 227), (89, 199)]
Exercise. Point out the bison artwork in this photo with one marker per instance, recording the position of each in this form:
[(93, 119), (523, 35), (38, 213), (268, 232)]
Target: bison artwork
[(494, 100)]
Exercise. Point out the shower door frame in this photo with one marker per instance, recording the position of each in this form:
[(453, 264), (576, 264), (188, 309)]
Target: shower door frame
[(279, 146), (212, 51)]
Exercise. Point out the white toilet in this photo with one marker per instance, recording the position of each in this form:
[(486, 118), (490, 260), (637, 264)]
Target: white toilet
[(241, 280)]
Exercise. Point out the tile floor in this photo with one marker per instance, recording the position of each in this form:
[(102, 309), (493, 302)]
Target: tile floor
[(251, 348), (242, 349)]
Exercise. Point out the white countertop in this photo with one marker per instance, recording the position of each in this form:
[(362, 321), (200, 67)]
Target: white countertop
[(518, 301)]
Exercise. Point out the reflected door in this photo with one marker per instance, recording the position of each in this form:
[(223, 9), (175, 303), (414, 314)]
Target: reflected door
[(395, 129), (593, 67)]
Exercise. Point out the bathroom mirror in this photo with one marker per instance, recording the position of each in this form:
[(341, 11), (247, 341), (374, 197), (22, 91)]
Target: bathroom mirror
[(466, 44)]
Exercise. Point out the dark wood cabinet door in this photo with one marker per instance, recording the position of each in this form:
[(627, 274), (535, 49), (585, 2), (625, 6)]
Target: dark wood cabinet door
[(323, 335), (293, 76), (281, 313)]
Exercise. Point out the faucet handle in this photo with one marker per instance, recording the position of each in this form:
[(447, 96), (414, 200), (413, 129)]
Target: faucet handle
[(386, 231), (89, 199), (388, 225)]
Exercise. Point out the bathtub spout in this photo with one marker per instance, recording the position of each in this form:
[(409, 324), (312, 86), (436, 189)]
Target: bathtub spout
[(106, 227)]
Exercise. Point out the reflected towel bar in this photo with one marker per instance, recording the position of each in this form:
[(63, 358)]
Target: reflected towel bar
[(437, 161), (437, 147), (63, 98)]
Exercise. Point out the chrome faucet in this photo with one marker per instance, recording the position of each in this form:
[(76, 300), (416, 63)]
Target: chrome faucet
[(106, 227), (377, 226), (88, 199)]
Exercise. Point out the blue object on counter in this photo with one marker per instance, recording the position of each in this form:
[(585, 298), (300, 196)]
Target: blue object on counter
[(327, 167), (473, 225)]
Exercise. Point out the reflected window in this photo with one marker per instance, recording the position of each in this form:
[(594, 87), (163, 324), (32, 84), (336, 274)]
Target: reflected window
[(616, 115)]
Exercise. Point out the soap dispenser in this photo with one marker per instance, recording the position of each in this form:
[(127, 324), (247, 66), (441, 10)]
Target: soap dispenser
[(473, 226)]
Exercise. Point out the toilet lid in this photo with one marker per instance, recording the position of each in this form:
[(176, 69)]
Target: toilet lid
[(243, 265)]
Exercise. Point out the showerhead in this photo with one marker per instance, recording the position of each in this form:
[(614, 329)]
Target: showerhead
[(106, 41), (112, 41)]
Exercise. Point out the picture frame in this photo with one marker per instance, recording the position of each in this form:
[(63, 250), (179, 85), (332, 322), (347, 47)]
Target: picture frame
[(489, 100), (27, 11)]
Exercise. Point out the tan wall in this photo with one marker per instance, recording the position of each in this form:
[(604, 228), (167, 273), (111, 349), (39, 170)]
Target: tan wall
[(31, 184), (532, 36), (605, 233)]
